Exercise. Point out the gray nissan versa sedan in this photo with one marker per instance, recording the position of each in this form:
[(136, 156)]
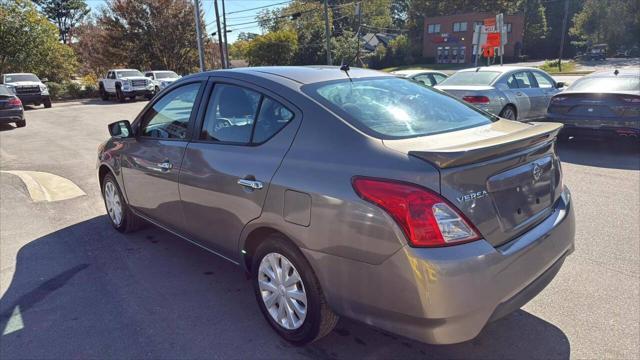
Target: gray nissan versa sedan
[(348, 193)]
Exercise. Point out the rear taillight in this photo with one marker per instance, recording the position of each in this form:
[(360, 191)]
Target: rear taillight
[(15, 102), (426, 219), (477, 99), (633, 100)]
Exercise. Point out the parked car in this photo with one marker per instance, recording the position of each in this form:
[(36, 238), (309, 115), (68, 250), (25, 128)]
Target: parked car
[(29, 88), (427, 77), (161, 78), (606, 102), (125, 83), (11, 110), (511, 92), (348, 193)]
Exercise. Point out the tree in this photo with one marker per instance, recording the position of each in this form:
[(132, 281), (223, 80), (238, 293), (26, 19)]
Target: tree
[(91, 47), (616, 23), (66, 14), (30, 43), (151, 34), (274, 48), (344, 48), (535, 30)]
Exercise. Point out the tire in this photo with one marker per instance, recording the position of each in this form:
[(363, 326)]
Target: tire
[(21, 123), (318, 319), (103, 94), (119, 95), (509, 112), (127, 221), (156, 90), (47, 103)]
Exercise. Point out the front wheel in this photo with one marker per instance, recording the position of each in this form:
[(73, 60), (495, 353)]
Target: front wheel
[(509, 112), (289, 294), (47, 103), (119, 213), (21, 123), (119, 95)]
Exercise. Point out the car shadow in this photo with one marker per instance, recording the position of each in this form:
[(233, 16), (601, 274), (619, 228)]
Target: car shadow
[(87, 291), (607, 152), (6, 127)]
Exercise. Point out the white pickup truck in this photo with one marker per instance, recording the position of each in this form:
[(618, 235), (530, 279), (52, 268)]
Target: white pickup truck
[(125, 83), (28, 87)]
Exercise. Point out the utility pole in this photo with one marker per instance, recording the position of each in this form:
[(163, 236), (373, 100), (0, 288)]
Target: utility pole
[(564, 30), (222, 62), (226, 44), (196, 10), (327, 33)]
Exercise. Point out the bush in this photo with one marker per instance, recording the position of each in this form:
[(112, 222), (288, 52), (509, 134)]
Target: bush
[(55, 89), (71, 90), (74, 90), (90, 90)]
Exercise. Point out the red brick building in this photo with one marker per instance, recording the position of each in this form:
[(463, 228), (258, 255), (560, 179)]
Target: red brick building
[(447, 39)]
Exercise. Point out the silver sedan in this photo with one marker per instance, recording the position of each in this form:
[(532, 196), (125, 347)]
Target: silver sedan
[(516, 93)]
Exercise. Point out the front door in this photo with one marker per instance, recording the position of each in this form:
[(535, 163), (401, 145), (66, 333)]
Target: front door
[(226, 172), (548, 87), (151, 162)]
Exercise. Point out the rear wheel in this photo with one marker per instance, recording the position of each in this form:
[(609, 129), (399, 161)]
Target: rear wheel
[(21, 123), (509, 112), (288, 292), (119, 212)]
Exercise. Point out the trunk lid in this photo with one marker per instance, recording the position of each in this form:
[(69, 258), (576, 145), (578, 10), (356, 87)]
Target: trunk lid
[(586, 105), (504, 176), (461, 91)]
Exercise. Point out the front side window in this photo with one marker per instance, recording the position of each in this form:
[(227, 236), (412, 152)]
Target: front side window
[(169, 116), (543, 81), (242, 116), (395, 108), (439, 78), (424, 79), (471, 78)]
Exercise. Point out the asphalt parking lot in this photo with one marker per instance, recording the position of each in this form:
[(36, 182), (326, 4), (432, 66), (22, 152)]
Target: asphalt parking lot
[(72, 287)]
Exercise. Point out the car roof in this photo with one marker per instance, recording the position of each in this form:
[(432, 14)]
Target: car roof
[(502, 69), (124, 70), (412, 72), (610, 73), (307, 74)]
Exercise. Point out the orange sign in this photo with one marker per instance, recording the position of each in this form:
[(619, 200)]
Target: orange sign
[(489, 22), (493, 39)]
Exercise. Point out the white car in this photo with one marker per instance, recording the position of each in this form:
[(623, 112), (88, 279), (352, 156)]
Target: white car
[(161, 78), (125, 83), (28, 87), (424, 76)]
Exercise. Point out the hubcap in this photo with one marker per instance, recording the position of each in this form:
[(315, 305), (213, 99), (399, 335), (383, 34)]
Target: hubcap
[(508, 114), (282, 291), (112, 200)]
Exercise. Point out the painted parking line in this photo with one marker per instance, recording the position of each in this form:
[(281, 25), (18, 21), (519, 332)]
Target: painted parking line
[(43, 186)]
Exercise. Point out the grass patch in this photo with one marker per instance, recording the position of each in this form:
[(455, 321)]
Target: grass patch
[(551, 66)]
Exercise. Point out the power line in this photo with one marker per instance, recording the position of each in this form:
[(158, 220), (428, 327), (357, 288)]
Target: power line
[(260, 7)]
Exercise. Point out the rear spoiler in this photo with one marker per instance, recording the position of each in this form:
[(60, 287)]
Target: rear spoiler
[(484, 149)]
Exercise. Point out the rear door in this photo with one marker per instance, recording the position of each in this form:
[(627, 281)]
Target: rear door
[(151, 161), (242, 136)]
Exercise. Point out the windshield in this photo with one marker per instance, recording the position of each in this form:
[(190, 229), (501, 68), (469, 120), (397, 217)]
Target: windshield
[(128, 73), (166, 75), (396, 108), (20, 77), (599, 84), (471, 78)]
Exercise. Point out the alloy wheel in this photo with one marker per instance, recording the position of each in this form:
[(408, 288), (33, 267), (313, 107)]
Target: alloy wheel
[(113, 202), (282, 291)]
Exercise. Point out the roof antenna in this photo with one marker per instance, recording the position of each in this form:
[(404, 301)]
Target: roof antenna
[(616, 72)]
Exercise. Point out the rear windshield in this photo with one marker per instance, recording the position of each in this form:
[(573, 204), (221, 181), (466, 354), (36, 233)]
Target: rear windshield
[(471, 78), (599, 84), (5, 91), (395, 108), (20, 77), (166, 75)]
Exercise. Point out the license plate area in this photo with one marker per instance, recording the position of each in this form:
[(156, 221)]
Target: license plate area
[(522, 192)]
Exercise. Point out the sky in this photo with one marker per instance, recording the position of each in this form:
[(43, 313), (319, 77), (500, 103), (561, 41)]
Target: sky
[(238, 12)]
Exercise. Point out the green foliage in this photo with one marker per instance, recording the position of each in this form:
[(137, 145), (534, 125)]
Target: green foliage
[(274, 48), (551, 66), (614, 22), (69, 90), (30, 43), (344, 47), (238, 50), (66, 14)]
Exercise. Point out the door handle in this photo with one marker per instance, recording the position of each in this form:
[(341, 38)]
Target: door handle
[(253, 184), (165, 165)]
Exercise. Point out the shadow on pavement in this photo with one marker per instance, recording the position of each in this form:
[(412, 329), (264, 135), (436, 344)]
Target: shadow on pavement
[(6, 127), (607, 152), (88, 291)]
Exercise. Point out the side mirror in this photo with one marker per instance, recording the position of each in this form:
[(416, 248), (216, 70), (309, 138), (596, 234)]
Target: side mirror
[(560, 85), (44, 80), (121, 129)]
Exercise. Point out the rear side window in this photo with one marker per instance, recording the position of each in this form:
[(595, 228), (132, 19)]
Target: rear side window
[(169, 116), (395, 108), (439, 78), (520, 80), (242, 116)]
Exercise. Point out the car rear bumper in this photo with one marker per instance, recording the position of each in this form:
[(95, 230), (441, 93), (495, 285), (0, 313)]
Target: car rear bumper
[(574, 124), (447, 295), (28, 99), (11, 116)]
